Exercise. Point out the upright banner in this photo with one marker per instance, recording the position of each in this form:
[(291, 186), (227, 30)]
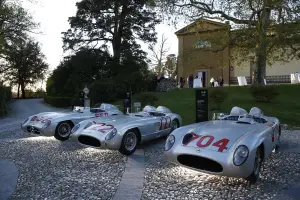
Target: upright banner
[(127, 102), (201, 105)]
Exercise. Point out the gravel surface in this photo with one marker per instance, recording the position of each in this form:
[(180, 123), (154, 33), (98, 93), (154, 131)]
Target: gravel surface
[(50, 169), (63, 170), (164, 180)]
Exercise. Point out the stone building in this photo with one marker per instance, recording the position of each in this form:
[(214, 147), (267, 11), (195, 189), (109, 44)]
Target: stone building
[(194, 57)]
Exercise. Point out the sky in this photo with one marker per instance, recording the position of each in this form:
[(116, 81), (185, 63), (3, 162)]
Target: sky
[(53, 18)]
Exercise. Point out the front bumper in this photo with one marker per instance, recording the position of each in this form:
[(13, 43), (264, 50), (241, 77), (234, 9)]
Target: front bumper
[(210, 162), (97, 140), (39, 131)]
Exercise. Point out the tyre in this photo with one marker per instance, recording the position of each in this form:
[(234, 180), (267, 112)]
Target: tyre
[(278, 140), (63, 130), (174, 125), (129, 143), (254, 176)]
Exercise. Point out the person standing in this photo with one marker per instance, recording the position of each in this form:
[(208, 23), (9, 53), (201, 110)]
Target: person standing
[(212, 81), (192, 80), (221, 82), (181, 82)]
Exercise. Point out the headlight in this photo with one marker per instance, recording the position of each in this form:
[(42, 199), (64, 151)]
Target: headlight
[(75, 128), (111, 134), (240, 155), (47, 123), (170, 142), (88, 125), (26, 120)]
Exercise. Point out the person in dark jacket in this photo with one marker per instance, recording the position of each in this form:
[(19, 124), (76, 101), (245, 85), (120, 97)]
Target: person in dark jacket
[(181, 82), (191, 81), (221, 82)]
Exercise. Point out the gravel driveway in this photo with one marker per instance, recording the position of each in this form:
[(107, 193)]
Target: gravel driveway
[(50, 169)]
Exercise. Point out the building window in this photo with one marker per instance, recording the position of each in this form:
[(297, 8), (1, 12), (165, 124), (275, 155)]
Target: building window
[(202, 44)]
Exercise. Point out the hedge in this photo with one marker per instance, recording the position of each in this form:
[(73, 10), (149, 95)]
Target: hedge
[(58, 101), (5, 96)]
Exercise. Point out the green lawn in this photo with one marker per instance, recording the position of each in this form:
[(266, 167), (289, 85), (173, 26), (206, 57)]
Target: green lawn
[(286, 107)]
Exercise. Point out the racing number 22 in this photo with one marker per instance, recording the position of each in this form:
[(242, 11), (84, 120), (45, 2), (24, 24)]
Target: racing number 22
[(205, 141), (102, 127)]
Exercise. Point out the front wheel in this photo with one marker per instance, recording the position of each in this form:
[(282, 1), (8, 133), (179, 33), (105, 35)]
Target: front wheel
[(129, 143), (174, 125), (256, 170), (63, 131), (278, 140)]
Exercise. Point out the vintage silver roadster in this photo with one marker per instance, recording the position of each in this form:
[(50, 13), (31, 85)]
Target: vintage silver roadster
[(60, 124), (126, 132), (233, 145)]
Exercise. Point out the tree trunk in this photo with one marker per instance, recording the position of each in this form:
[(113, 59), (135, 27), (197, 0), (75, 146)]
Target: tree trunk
[(261, 50), (18, 90), (23, 90), (118, 31)]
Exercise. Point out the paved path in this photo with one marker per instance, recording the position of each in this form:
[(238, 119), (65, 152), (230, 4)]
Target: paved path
[(131, 185), (8, 178)]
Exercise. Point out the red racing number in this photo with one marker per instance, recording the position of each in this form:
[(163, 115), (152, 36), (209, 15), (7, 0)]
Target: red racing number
[(101, 114), (102, 127), (165, 122), (207, 140)]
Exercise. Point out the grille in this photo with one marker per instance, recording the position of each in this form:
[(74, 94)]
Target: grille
[(31, 129), (200, 163), (90, 141)]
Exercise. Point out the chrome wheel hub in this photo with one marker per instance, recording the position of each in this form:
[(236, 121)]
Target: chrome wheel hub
[(64, 130), (130, 141), (174, 125)]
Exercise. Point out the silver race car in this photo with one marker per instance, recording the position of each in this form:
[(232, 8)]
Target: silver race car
[(234, 145), (59, 124), (125, 133)]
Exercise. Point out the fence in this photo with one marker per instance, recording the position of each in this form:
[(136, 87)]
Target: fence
[(269, 79)]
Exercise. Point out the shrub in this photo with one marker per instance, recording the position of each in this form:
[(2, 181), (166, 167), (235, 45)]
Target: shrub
[(166, 85), (146, 98), (217, 96), (264, 93), (58, 101)]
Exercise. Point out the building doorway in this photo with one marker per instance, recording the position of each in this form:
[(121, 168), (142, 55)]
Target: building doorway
[(203, 76)]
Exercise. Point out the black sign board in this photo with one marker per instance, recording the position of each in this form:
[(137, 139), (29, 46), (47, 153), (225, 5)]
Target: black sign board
[(201, 105), (81, 99), (127, 102)]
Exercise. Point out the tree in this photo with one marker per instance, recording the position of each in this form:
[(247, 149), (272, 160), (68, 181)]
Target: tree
[(267, 29), (78, 70), (170, 65), (15, 24), (116, 22), (26, 65), (158, 56)]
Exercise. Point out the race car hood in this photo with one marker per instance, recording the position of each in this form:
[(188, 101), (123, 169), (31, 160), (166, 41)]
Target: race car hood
[(101, 127), (216, 135), (54, 115)]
